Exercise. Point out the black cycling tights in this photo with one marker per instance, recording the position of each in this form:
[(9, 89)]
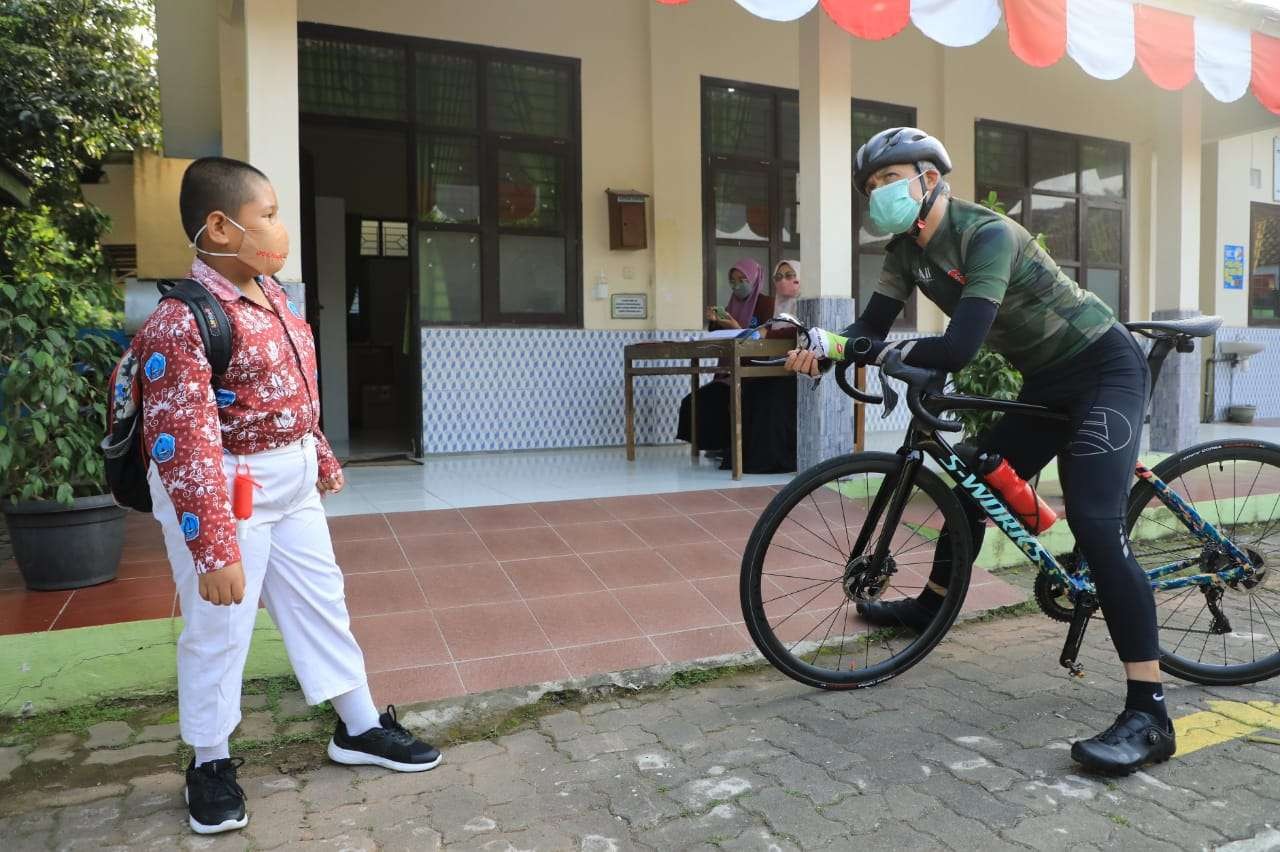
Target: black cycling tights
[(1104, 390)]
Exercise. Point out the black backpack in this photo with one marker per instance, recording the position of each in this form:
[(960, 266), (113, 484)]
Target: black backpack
[(126, 457)]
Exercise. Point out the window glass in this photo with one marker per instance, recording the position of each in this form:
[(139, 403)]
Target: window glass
[(348, 79), (789, 129), (1056, 218), (530, 99), (449, 277), (738, 123), (1102, 169), (1105, 230), (531, 274), (1105, 283), (450, 190), (1053, 163), (446, 90), (1001, 156), (741, 205), (529, 190)]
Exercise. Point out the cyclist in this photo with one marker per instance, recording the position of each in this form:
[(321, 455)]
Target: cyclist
[(998, 286)]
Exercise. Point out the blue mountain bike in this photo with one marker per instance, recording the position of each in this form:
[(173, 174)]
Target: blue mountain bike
[(1204, 524)]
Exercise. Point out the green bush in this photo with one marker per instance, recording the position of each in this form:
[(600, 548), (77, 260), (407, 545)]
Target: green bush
[(76, 84)]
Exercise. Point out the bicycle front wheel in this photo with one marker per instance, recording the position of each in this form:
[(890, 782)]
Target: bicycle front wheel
[(1227, 632), (811, 559)]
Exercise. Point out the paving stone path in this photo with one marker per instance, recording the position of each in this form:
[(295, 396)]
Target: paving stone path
[(968, 751)]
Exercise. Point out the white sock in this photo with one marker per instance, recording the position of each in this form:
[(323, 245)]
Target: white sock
[(356, 710), (219, 752)]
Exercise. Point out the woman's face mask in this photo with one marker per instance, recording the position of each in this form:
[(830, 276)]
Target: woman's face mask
[(264, 250), (741, 288), (893, 209)]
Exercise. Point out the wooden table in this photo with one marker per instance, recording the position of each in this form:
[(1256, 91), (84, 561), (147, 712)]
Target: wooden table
[(731, 351)]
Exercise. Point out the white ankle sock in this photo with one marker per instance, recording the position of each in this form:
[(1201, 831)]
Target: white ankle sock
[(219, 752), (356, 710)]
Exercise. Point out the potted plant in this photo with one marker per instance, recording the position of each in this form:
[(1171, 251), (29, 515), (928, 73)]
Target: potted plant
[(65, 530), (78, 84)]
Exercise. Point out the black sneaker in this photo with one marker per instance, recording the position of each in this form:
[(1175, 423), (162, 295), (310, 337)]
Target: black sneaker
[(390, 746), (215, 802), (906, 612), (1134, 740)]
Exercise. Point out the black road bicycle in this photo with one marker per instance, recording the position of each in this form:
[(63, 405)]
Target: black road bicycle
[(870, 526)]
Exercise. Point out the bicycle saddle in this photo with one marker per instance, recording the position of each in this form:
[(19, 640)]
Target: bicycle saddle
[(1189, 327)]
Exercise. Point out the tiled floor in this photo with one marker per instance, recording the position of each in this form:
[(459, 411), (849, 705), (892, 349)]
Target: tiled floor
[(453, 601)]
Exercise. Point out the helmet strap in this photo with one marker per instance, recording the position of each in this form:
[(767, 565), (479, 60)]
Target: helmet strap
[(930, 196)]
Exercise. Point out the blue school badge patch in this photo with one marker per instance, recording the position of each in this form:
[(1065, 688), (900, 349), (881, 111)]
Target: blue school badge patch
[(293, 309), (224, 397), (190, 526), (163, 449), (154, 368)]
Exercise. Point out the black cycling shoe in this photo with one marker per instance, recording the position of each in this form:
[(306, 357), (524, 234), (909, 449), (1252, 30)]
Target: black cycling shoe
[(1134, 740), (215, 802), (390, 746), (906, 612)]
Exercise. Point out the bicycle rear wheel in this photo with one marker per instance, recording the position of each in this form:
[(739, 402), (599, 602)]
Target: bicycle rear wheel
[(1235, 486), (803, 571)]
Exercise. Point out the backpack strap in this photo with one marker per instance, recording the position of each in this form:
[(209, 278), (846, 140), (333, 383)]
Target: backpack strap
[(211, 319)]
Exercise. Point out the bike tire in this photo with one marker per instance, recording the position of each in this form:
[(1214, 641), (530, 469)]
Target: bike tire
[(1173, 472), (753, 569)]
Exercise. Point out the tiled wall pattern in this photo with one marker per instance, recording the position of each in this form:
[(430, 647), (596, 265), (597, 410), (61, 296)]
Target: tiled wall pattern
[(1257, 385), (487, 389)]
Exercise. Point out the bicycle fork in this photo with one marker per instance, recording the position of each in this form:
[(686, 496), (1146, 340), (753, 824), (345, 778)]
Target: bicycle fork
[(1086, 606)]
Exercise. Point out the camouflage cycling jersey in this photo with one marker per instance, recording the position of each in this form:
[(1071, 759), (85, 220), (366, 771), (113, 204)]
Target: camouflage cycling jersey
[(1044, 317)]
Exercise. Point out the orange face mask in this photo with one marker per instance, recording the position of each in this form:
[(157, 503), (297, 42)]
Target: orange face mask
[(264, 250)]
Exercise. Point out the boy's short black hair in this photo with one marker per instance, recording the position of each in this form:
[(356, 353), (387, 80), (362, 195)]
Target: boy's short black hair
[(214, 183)]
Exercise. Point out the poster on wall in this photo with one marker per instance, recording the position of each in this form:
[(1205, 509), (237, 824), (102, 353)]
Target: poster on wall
[(1232, 267)]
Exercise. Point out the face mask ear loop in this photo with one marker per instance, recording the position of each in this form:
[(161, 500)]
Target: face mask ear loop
[(929, 198), (195, 241)]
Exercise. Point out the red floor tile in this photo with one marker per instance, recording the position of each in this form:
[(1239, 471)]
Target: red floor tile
[(153, 552), (727, 526), (400, 640), (408, 524), (78, 614), (22, 611), (700, 644), (752, 497), (410, 686), (696, 502), (465, 585), (703, 559), (515, 670), (490, 630), (121, 590), (611, 657), (359, 527), (658, 532), (134, 570), (623, 568), (668, 607), (491, 518), (552, 575), (532, 543), (724, 593), (387, 591), (572, 512), (631, 508), (362, 556), (583, 619), (599, 537), (448, 549)]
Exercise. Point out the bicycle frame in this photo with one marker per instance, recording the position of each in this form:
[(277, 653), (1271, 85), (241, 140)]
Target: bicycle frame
[(1077, 582)]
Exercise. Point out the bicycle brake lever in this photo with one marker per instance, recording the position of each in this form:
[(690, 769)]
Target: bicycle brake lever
[(890, 400)]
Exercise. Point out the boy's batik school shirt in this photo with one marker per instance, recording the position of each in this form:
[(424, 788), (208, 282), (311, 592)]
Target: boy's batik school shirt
[(268, 398)]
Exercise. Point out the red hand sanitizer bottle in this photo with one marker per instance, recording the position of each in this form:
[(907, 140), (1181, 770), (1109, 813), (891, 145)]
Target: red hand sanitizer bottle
[(1034, 513), (242, 493)]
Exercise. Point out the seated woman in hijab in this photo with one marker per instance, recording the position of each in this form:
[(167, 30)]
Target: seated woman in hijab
[(768, 405)]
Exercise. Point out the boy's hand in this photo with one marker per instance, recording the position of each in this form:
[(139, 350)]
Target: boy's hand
[(224, 586), (332, 484)]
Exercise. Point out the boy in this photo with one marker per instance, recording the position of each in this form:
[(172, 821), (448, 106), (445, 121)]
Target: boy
[(260, 417)]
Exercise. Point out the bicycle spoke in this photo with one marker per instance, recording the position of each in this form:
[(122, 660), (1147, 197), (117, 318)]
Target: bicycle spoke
[(1187, 632)]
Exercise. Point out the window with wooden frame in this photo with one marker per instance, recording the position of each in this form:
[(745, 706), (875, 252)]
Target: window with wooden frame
[(1073, 189), (495, 172), (1264, 264)]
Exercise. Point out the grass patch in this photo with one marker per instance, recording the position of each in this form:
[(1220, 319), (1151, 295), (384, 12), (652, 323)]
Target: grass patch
[(1119, 819), (690, 678), (502, 724)]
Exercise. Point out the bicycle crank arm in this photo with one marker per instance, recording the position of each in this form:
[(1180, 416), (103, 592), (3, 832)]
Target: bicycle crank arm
[(1085, 607)]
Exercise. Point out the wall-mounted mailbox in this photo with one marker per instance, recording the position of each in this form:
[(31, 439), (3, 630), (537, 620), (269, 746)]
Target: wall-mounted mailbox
[(627, 226)]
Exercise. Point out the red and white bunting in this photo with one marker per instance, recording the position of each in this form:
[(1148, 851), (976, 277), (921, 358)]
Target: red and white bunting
[(1104, 37)]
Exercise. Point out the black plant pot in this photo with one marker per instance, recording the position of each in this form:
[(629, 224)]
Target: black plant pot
[(61, 547)]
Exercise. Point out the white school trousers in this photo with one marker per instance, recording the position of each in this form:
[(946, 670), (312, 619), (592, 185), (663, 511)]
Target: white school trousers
[(289, 564)]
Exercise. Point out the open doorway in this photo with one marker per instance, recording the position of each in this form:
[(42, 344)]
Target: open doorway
[(356, 180)]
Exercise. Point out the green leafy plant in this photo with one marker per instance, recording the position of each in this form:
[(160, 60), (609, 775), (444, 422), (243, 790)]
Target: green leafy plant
[(76, 83)]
